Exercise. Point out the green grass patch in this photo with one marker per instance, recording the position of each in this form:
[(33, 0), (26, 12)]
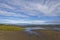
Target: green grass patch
[(10, 28)]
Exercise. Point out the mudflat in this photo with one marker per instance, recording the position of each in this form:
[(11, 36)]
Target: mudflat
[(21, 35)]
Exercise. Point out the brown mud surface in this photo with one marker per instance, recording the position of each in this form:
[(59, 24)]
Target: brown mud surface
[(21, 35)]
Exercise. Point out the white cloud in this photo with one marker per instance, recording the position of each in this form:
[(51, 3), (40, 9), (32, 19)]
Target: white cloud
[(37, 22), (6, 13), (48, 8), (11, 21), (2, 5), (35, 7), (30, 8)]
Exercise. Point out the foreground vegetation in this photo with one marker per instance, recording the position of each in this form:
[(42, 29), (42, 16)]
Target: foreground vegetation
[(10, 28)]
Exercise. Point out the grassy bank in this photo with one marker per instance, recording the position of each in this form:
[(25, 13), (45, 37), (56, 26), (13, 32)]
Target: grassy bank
[(10, 28)]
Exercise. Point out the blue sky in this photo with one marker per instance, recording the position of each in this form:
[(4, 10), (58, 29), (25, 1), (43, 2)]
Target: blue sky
[(29, 11)]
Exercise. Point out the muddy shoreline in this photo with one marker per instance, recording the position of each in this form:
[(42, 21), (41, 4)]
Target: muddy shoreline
[(21, 35)]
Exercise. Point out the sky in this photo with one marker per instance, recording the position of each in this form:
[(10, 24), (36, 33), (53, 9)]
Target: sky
[(30, 11)]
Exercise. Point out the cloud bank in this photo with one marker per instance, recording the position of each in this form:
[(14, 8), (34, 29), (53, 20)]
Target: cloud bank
[(29, 8)]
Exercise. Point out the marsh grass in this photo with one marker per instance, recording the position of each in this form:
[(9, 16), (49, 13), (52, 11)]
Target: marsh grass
[(10, 28)]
